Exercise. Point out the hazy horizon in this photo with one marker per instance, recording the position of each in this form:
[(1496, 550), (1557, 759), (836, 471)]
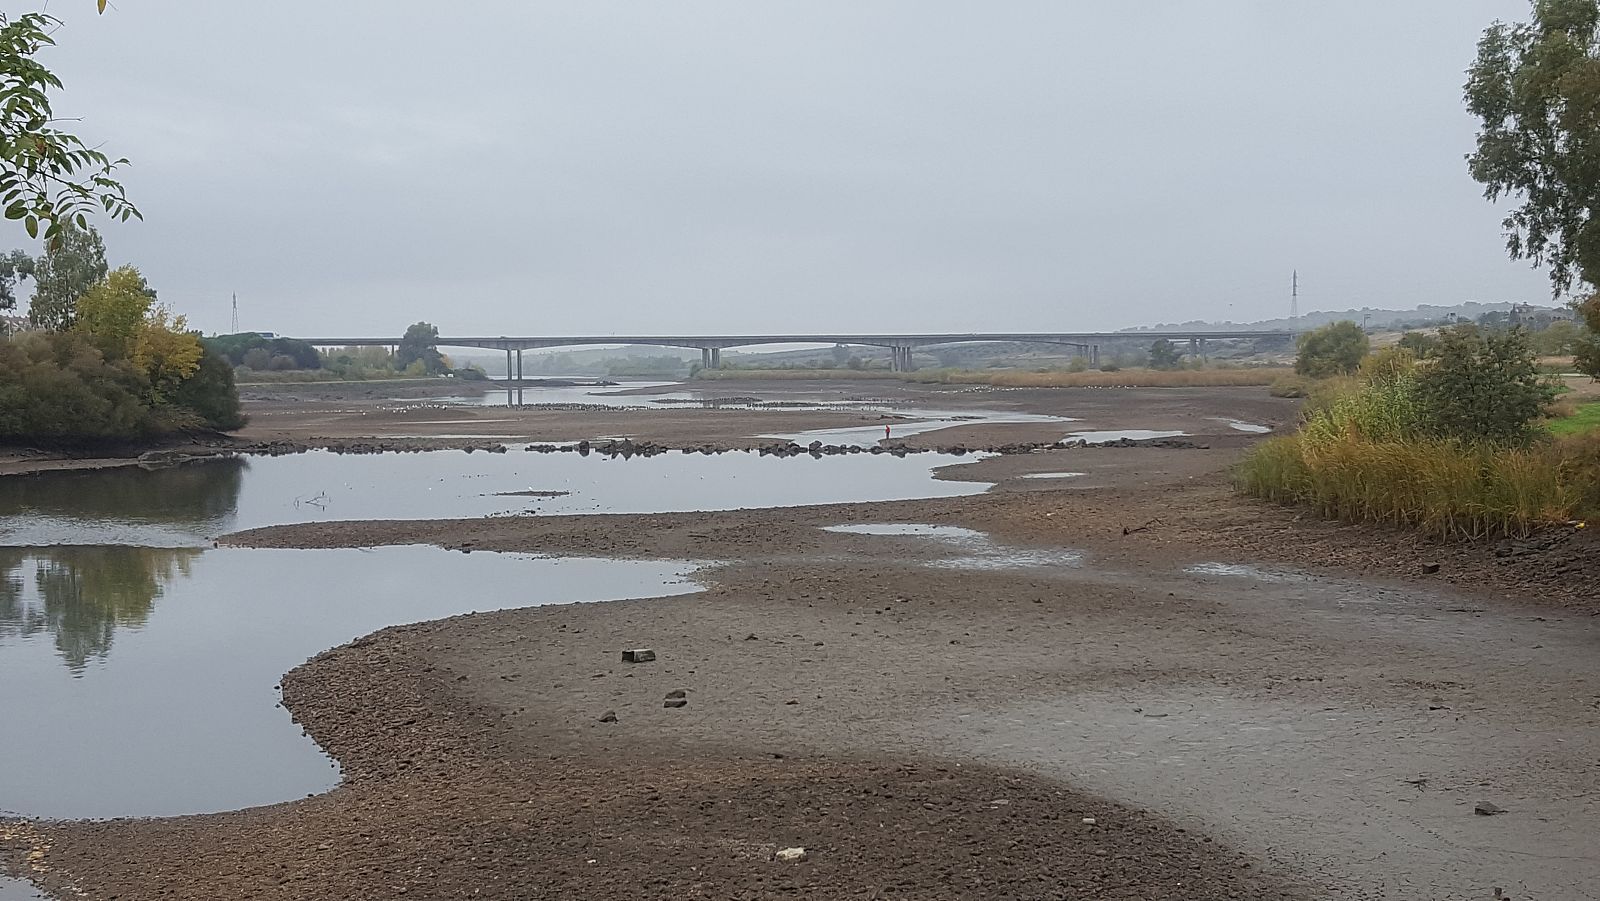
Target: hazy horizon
[(706, 167)]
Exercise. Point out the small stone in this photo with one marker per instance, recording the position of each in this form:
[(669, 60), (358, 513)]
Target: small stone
[(791, 855), (1429, 569), (610, 716), (1486, 809), (638, 655), (677, 693), (1090, 821), (675, 703)]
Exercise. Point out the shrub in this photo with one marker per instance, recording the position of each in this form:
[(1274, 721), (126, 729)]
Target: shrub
[(1334, 349), (211, 394), (1483, 385), (59, 388), (1290, 386)]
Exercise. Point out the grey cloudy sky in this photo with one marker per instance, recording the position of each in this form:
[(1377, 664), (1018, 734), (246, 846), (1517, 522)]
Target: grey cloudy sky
[(609, 167)]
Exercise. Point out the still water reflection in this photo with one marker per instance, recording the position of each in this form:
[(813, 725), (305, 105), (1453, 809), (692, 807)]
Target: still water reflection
[(82, 596), (141, 682), (189, 505)]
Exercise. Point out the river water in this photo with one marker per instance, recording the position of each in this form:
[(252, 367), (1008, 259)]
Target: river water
[(140, 663), (191, 504)]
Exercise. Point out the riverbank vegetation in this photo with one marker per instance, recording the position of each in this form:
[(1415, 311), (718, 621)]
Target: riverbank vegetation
[(108, 363), (1449, 442)]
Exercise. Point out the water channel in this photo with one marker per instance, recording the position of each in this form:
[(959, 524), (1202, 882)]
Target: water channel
[(191, 504), (141, 681), (122, 626)]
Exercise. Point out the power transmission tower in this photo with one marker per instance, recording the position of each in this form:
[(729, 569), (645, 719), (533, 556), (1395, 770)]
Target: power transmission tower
[(1294, 303), (235, 312)]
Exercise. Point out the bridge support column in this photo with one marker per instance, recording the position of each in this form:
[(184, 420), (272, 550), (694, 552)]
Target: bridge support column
[(1194, 347), (716, 358), (705, 358), (908, 361), (510, 372), (1094, 356), (1205, 354)]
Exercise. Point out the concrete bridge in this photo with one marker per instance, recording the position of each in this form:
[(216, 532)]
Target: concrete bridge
[(901, 346)]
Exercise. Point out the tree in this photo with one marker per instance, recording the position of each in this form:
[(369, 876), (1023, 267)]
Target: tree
[(417, 345), (1420, 344), (1334, 349), (14, 267), (211, 393), (112, 312), (1483, 385), (1535, 89), (49, 179), (65, 271), (1163, 355), (166, 352)]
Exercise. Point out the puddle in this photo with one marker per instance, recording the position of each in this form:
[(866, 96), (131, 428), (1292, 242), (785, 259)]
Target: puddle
[(17, 890), (916, 422), (497, 394), (1054, 475), (192, 504), (975, 550), (1250, 427), (1103, 437), (140, 681), (1242, 571)]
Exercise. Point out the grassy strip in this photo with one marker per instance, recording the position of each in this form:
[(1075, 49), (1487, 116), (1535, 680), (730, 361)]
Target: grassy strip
[(1443, 488), (319, 377), (1127, 378), (1585, 419)]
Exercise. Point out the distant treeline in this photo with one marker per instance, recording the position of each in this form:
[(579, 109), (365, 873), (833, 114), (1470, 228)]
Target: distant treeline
[(253, 351)]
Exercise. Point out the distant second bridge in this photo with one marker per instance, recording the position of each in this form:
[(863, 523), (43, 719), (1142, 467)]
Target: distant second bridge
[(901, 346)]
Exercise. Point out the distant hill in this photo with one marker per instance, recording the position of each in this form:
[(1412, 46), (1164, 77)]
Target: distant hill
[(1425, 314)]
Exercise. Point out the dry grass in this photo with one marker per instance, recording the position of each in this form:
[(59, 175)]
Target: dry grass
[(1126, 378), (1443, 488)]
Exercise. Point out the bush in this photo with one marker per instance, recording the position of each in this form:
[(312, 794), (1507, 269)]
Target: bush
[(1290, 386), (60, 389), (1483, 386), (212, 395), (1334, 349)]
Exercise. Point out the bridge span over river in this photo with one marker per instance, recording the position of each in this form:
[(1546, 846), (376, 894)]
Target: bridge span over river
[(902, 346)]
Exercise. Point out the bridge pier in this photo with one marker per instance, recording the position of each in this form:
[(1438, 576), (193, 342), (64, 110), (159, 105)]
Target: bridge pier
[(710, 358), (1094, 356), (901, 358)]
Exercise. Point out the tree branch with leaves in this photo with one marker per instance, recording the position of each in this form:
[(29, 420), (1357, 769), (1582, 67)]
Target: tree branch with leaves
[(49, 178)]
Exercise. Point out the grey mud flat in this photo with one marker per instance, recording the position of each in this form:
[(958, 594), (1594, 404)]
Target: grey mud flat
[(1320, 723)]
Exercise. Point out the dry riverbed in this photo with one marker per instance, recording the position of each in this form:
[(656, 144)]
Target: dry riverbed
[(1120, 684)]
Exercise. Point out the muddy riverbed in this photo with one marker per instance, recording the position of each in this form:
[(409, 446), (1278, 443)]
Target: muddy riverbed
[(1118, 681)]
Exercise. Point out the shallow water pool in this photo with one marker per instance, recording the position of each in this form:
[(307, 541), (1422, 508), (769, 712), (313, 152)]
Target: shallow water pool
[(192, 504), (142, 681)]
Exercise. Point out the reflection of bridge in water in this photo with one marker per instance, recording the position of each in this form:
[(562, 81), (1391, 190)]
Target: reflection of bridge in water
[(901, 346)]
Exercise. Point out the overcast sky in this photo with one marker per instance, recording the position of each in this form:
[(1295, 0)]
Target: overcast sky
[(610, 167)]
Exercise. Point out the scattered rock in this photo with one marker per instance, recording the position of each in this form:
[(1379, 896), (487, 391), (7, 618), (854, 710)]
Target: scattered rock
[(638, 655), (1487, 809), (677, 693), (1090, 821), (1429, 569), (675, 703), (791, 855), (610, 716)]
